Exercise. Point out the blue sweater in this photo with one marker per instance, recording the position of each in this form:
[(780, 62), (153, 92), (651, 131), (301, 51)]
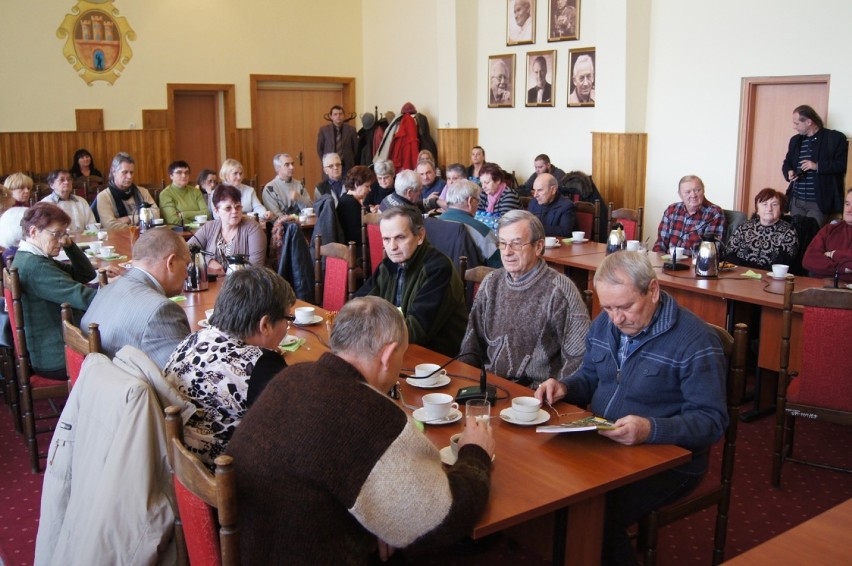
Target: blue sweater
[(674, 375)]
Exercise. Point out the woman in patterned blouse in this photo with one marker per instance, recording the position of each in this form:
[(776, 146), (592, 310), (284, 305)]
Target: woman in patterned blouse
[(223, 368), (765, 239)]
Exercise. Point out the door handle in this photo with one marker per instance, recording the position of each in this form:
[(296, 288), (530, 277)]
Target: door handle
[(300, 159)]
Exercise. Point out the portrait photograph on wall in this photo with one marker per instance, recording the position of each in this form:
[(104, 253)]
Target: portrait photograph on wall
[(501, 81), (563, 19), (541, 73), (581, 77), (520, 22)]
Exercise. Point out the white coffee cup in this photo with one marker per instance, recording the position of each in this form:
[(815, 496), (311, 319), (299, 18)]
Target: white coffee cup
[(95, 247), (93, 227), (208, 313), (304, 315), (438, 405), (578, 236), (779, 270), (525, 408), (107, 251), (308, 211), (551, 242), (201, 218), (454, 444), (633, 245), (103, 235), (681, 252), (432, 370), (159, 222)]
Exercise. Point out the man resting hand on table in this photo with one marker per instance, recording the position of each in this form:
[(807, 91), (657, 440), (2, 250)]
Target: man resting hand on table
[(328, 466), (658, 372)]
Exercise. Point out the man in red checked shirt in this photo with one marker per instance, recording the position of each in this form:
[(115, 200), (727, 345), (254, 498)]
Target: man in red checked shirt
[(685, 222)]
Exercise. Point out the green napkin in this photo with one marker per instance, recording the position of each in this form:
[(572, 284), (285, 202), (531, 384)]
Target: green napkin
[(90, 233), (752, 274), (113, 258), (567, 241), (292, 347), (178, 298)]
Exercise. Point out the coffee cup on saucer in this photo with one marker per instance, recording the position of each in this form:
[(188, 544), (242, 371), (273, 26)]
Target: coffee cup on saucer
[(578, 236), (107, 251), (454, 444), (434, 372), (208, 313), (159, 222), (632, 245), (551, 242), (525, 408), (304, 315), (94, 227), (438, 405), (779, 270), (95, 247), (201, 219), (307, 211)]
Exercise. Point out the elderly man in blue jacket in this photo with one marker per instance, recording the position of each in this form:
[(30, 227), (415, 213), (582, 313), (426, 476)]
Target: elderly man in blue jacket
[(555, 211), (658, 372)]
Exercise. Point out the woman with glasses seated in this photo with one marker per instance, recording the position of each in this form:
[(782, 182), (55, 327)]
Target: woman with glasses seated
[(223, 368), (47, 283), (231, 233), (765, 239)]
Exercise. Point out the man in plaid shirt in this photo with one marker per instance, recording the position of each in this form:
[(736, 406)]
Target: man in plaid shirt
[(684, 223)]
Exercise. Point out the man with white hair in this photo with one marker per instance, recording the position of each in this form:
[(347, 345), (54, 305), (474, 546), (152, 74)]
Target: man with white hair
[(583, 79), (322, 484), (333, 184), (501, 82), (284, 194), (408, 189), (520, 28), (118, 205), (462, 203)]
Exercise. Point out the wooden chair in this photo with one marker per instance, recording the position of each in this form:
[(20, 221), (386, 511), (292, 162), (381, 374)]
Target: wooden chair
[(372, 249), (629, 218), (733, 220), (475, 276), (336, 281), (203, 500), (77, 346), (587, 216), (525, 202), (588, 300), (711, 491), (31, 387), (823, 388)]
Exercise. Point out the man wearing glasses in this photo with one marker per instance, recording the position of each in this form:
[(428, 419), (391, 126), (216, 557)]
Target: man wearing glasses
[(528, 322), (180, 202), (333, 185)]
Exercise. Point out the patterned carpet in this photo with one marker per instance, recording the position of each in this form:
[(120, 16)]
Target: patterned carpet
[(758, 512)]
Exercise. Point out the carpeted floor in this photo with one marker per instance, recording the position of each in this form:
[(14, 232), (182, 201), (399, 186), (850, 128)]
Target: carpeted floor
[(758, 512)]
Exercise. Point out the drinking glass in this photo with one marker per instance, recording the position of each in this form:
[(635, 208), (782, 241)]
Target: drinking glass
[(478, 408)]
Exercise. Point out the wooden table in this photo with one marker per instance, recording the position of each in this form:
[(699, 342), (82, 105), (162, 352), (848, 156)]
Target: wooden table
[(535, 476), (822, 540)]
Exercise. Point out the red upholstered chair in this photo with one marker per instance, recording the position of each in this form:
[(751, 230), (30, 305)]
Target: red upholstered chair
[(336, 281), (373, 250), (206, 517), (710, 491), (823, 388), (629, 218), (77, 346), (587, 215), (31, 387)]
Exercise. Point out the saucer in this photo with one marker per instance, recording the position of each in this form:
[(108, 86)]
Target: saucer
[(203, 323), (442, 381), (420, 415), (787, 276), (551, 247), (289, 339), (108, 258), (508, 415), (315, 320), (573, 241)]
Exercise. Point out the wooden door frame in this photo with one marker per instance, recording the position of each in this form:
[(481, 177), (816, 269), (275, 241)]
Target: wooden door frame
[(348, 95), (230, 110), (746, 129)]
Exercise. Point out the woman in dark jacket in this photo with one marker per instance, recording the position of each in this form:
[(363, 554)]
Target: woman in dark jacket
[(357, 186)]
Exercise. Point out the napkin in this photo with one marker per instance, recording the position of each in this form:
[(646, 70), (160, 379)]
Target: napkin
[(292, 347), (178, 298), (567, 241), (752, 274)]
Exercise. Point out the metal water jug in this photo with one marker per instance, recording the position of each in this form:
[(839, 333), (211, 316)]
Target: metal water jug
[(707, 258), (616, 240), (235, 263), (196, 271), (146, 217)]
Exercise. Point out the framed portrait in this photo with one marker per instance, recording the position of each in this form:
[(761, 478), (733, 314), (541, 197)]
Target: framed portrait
[(563, 20), (541, 74), (501, 81), (581, 77), (520, 22)]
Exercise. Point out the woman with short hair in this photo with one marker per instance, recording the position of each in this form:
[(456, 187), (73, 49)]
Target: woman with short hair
[(231, 233), (765, 239), (231, 173), (383, 185), (47, 283), (223, 368), (496, 197), (356, 187), (19, 186)]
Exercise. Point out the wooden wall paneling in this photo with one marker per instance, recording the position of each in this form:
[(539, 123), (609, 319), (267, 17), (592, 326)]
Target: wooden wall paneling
[(89, 119), (454, 145), (618, 167), (155, 119), (244, 153)]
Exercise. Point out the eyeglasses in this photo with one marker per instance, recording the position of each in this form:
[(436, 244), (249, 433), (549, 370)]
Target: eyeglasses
[(514, 246), (56, 235), (230, 208), (334, 165), (560, 415)]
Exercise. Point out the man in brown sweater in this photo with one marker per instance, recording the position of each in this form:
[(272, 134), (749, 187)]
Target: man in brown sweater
[(328, 466)]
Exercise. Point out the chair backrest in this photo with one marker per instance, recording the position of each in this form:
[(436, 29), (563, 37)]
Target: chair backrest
[(733, 220), (372, 251), (202, 499), (454, 241), (587, 215), (475, 276), (525, 202), (77, 346), (629, 218), (15, 309), (336, 281), (824, 378)]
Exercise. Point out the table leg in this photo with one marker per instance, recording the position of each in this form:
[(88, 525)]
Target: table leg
[(584, 532)]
